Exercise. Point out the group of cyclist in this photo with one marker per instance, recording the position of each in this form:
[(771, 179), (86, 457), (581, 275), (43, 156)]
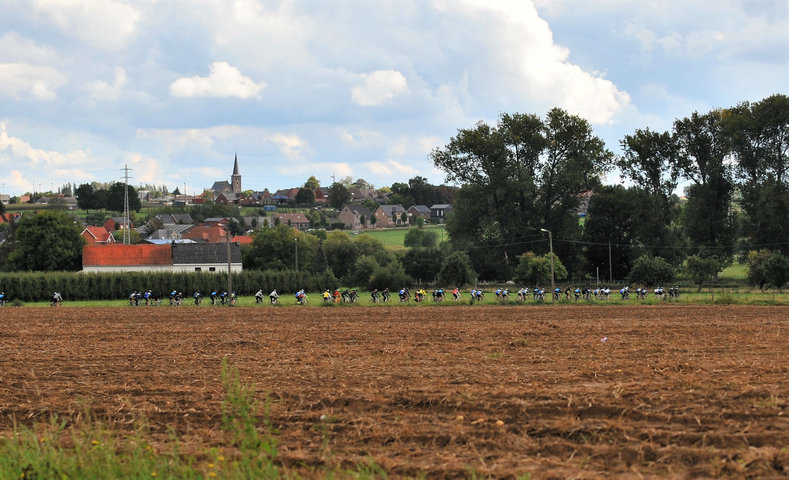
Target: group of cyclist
[(176, 298)]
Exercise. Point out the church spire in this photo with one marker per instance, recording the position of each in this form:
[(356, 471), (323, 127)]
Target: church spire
[(235, 179)]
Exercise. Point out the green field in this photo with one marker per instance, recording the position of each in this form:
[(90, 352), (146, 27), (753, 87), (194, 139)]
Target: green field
[(394, 238)]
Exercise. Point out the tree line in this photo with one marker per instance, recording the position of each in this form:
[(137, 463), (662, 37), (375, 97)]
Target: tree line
[(526, 174)]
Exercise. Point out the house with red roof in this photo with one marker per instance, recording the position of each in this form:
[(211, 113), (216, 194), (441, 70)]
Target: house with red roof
[(97, 235)]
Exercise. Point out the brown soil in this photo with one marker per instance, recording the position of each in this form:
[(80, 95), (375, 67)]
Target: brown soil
[(679, 391)]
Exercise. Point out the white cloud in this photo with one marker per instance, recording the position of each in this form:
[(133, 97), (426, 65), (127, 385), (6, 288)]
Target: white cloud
[(23, 80), (45, 164), (102, 90), (391, 168), (290, 145), (223, 81), (103, 24), (379, 87), (518, 60)]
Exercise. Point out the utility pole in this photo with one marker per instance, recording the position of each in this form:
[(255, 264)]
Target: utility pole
[(126, 222)]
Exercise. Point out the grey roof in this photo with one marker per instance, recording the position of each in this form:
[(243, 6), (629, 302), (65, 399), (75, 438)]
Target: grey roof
[(235, 166), (421, 208), (358, 209), (171, 232), (441, 205), (392, 209), (184, 218), (190, 253)]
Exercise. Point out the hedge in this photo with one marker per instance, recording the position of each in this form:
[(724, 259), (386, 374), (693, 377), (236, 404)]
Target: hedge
[(39, 286)]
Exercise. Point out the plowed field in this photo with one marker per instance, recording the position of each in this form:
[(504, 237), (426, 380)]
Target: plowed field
[(680, 391)]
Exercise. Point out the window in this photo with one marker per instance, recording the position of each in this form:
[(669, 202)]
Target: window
[(198, 269), (212, 269)]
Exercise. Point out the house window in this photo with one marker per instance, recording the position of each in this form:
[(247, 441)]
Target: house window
[(212, 269), (198, 269)]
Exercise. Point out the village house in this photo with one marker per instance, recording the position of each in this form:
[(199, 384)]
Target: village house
[(418, 211), (296, 220), (389, 216), (97, 235), (355, 217), (439, 212)]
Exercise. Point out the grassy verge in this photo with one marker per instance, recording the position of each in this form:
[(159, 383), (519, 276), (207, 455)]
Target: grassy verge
[(705, 297)]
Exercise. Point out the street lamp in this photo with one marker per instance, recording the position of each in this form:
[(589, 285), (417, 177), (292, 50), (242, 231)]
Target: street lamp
[(550, 244)]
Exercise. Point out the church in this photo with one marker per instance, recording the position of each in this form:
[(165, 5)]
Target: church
[(230, 190)]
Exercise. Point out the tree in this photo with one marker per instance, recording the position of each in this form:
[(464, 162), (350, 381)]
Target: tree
[(536, 270), (275, 248), (702, 269), (755, 260), (339, 195), (419, 237), (651, 161), (312, 183), (456, 270), (423, 264), (341, 252), (759, 136), (86, 197), (115, 197), (520, 176), (48, 241), (651, 271), (708, 218), (305, 196), (776, 270), (176, 192)]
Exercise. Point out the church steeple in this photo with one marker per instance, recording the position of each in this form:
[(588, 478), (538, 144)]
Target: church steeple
[(235, 179)]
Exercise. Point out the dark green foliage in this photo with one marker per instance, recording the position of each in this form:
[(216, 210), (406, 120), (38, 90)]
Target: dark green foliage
[(702, 269), (48, 241), (305, 196), (652, 271), (522, 175), (536, 271), (457, 270), (776, 270), (339, 195), (419, 237), (423, 264), (31, 287), (391, 276), (755, 260)]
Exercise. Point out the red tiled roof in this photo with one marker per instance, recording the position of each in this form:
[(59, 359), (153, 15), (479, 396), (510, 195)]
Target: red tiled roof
[(96, 234), (115, 254), (243, 239), (210, 234)]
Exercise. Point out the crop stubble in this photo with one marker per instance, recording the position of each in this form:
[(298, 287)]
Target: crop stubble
[(674, 390)]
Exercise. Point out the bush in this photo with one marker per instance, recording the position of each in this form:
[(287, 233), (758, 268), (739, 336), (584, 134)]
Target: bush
[(457, 270), (651, 271)]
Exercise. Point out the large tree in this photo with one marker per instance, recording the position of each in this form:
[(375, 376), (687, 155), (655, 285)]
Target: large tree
[(759, 135), (650, 160), (708, 218), (47, 241), (517, 177), (339, 195), (278, 248)]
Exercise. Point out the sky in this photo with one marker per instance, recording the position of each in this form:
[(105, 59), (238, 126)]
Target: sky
[(175, 89)]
